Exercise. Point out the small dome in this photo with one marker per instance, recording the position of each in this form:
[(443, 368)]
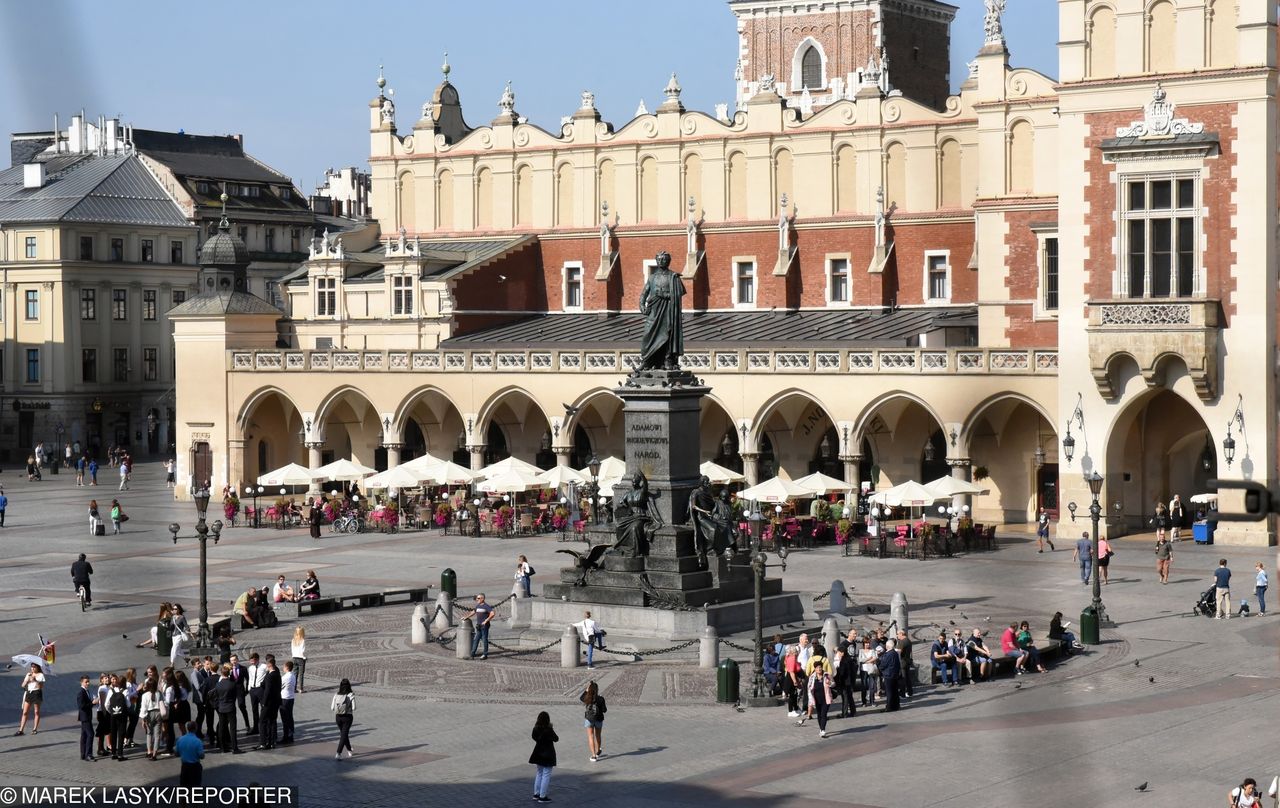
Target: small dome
[(224, 249)]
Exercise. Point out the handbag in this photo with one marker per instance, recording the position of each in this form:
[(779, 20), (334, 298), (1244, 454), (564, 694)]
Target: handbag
[(164, 709), (124, 517)]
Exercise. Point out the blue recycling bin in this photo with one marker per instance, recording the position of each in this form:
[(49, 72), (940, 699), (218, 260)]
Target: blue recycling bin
[(1203, 532)]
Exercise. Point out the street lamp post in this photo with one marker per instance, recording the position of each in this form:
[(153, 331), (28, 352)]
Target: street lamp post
[(257, 515), (759, 565), (204, 636), (594, 468), (1094, 479)]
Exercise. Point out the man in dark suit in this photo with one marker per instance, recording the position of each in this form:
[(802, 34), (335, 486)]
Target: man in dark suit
[(203, 680), (240, 675), (226, 694), (84, 710), (890, 665), (271, 687)]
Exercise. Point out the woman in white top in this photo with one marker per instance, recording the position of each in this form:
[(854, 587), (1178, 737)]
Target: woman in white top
[(1245, 795), (524, 574), (1260, 588), (867, 661), (151, 722), (181, 635), (343, 707), (32, 698), (298, 649)]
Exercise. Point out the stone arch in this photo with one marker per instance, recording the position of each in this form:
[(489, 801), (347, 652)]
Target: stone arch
[(715, 423), (736, 176), (783, 175), (786, 432), (599, 419), (484, 199), (693, 180), (1161, 37), (524, 195), (809, 66), (564, 195), (256, 397), (606, 185), (1022, 177), (406, 207), (966, 429), (898, 425), (429, 421), (949, 156), (269, 421), (846, 179), (895, 175), (650, 207), (523, 423), (1013, 437), (350, 425), (1101, 42), (444, 200), (1116, 372)]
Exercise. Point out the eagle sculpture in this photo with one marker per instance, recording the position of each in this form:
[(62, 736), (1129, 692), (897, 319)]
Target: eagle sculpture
[(584, 562)]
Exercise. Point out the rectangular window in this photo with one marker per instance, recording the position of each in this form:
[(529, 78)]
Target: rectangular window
[(119, 304), (88, 304), (402, 294), (295, 236), (271, 240), (937, 280), (117, 249), (202, 187), (744, 283), (89, 365), (179, 297), (838, 280), (31, 246), (326, 297), (175, 252), (33, 365), (244, 235), (1159, 253), (120, 364), (33, 304), (148, 251), (150, 364), (1050, 274), (86, 248), (149, 304), (572, 286)]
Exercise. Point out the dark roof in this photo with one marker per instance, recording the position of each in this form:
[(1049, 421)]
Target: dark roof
[(730, 329), (218, 157), (110, 189), (442, 259), (224, 249), (223, 302), (1206, 141)]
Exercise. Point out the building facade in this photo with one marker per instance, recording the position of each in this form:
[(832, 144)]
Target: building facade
[(883, 283)]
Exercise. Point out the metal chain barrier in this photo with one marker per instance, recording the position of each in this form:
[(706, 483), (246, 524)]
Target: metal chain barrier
[(735, 646), (524, 651)]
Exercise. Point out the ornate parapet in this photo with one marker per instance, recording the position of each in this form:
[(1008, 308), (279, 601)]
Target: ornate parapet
[(1151, 332)]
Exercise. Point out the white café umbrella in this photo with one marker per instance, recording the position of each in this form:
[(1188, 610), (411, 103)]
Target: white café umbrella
[(422, 462), (342, 471), (292, 474), (449, 473), (511, 482), (611, 468), (1207, 499), (510, 464), (560, 476), (719, 475), (906, 495), (397, 477), (775, 490), (819, 483), (947, 487)]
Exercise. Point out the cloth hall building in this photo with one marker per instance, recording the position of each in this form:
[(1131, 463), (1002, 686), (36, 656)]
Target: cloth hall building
[(885, 281)]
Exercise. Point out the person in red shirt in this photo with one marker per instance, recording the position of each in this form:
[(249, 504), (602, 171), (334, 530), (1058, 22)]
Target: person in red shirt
[(1009, 647), (792, 678)]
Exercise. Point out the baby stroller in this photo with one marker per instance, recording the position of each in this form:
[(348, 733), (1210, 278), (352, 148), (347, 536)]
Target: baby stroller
[(1208, 603)]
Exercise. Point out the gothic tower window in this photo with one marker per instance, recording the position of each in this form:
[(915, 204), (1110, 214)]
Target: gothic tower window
[(811, 69)]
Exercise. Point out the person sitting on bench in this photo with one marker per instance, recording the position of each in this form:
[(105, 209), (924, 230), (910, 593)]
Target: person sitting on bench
[(249, 607), (282, 592), (979, 656), (944, 662)]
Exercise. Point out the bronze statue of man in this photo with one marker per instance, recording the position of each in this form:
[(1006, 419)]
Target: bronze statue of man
[(661, 306)]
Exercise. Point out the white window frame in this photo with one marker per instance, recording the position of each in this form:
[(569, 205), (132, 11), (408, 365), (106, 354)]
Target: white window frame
[(403, 288), (755, 280), (928, 299), (1172, 170), (564, 286), (848, 279), (797, 66), (649, 265), (1042, 311), (320, 286)]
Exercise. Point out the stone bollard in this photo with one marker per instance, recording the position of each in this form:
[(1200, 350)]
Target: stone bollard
[(463, 638), (442, 615), (838, 602), (831, 636), (418, 633), (898, 611), (570, 652), (709, 648)]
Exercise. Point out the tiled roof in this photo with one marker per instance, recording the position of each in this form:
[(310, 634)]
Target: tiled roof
[(219, 157), (115, 189), (223, 302), (736, 329)]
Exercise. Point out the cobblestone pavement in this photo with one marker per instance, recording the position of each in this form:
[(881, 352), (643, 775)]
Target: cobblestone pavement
[(1175, 700)]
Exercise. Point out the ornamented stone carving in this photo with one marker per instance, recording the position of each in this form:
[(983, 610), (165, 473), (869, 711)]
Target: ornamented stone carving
[(570, 361), (861, 360), (295, 360), (992, 27), (1009, 360), (726, 361), (540, 361), (455, 361), (512, 361), (1159, 121), (758, 361), (934, 360), (319, 361), (897, 360), (481, 361), (1147, 314), (398, 360), (346, 361), (792, 360), (426, 361)]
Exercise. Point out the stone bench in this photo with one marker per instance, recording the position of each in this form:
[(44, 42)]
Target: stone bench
[(999, 664), (363, 600)]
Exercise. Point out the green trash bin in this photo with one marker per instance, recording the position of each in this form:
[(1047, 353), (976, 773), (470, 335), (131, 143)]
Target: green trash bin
[(727, 682), (1089, 626), (164, 639), (449, 582)]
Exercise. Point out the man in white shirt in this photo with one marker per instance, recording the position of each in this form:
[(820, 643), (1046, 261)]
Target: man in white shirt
[(288, 692), (592, 635), (257, 676)]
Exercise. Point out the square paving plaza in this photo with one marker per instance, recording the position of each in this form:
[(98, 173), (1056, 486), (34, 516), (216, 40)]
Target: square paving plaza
[(435, 730)]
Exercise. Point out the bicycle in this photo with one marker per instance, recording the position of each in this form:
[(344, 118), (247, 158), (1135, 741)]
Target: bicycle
[(84, 598), (348, 523)]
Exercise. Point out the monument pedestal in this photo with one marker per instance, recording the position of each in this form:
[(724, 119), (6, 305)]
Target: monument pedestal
[(628, 621)]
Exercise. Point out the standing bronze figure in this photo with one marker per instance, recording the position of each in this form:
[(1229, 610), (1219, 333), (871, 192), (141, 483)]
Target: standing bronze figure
[(636, 519), (702, 506), (661, 306)]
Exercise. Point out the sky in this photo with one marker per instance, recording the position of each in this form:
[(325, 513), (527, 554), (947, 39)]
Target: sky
[(295, 76)]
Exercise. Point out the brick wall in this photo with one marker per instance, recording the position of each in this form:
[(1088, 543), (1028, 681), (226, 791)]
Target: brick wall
[(1022, 279), (1217, 258), (845, 37)]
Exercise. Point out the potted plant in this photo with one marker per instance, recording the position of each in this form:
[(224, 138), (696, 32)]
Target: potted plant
[(980, 472), (844, 530), (559, 518), (443, 514)]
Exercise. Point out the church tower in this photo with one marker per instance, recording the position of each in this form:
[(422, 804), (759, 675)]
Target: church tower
[(820, 52)]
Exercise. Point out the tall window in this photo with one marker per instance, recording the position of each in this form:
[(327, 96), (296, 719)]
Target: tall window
[(1160, 230), (838, 280), (572, 286), (117, 249), (937, 282), (86, 248), (89, 365), (150, 364), (179, 297), (175, 252), (1050, 287), (33, 304), (326, 297), (120, 364), (33, 365), (811, 69), (31, 246), (244, 235), (88, 304), (402, 294), (744, 283), (119, 304), (149, 304), (271, 240), (148, 251)]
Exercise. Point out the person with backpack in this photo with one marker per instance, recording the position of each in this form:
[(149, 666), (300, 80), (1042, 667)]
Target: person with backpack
[(118, 709), (1245, 795), (543, 755), (117, 516), (593, 720), (524, 578), (592, 635), (344, 707), (819, 686)]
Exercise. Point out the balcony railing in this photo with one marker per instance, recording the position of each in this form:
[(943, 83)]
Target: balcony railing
[(857, 361)]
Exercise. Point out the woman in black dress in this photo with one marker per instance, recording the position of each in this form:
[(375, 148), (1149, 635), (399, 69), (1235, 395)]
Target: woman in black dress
[(316, 517)]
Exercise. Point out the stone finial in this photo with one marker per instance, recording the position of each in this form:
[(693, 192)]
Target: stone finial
[(444, 68), (722, 113), (672, 90), (382, 81), (642, 109), (588, 100), (992, 25), (738, 71), (507, 103)]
